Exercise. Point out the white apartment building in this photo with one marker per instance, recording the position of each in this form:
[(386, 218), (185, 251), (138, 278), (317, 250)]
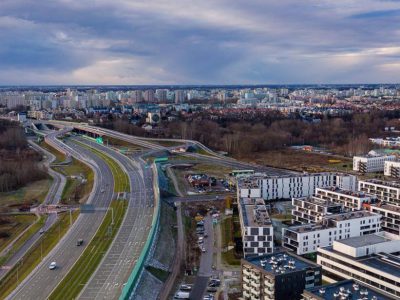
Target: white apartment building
[(291, 186), (256, 227), (390, 221), (371, 163), (366, 259), (386, 191), (350, 200), (312, 209), (392, 169), (307, 238)]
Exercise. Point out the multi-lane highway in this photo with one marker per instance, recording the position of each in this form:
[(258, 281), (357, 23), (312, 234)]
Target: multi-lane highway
[(40, 283), (118, 262)]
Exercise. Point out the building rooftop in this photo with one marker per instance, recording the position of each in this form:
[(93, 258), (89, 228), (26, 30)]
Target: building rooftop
[(318, 201), (387, 206), (365, 240), (384, 262), (280, 263), (328, 221), (346, 192), (349, 289), (255, 215), (393, 184)]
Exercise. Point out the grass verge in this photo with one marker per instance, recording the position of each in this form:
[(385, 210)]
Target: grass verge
[(78, 276), (13, 226), (33, 257)]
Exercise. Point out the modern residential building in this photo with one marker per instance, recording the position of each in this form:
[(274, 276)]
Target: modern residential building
[(350, 200), (256, 227), (390, 221), (307, 238), (312, 209), (345, 289), (392, 169), (278, 276), (291, 186), (369, 259), (387, 191), (371, 163)]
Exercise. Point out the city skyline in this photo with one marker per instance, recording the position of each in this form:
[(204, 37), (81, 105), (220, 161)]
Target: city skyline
[(174, 42)]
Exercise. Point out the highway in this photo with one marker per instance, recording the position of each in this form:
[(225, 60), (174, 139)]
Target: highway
[(40, 283), (53, 196), (118, 263)]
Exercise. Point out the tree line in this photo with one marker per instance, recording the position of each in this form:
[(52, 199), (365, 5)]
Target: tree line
[(347, 135), (18, 163)]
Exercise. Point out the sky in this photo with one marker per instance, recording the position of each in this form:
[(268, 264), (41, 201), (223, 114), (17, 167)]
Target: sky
[(51, 42)]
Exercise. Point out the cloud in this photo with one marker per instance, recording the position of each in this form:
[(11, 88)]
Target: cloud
[(198, 42)]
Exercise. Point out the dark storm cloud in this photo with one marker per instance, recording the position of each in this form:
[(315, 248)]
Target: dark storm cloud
[(208, 41)]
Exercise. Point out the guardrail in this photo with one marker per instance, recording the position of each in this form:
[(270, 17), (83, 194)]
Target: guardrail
[(137, 270)]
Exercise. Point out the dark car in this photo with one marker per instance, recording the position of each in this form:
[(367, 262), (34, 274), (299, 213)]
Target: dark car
[(79, 242)]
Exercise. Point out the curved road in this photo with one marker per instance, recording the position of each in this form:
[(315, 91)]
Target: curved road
[(40, 283)]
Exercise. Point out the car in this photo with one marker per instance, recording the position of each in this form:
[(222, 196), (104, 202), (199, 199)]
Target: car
[(53, 265), (102, 190), (41, 231), (208, 297), (186, 287), (203, 250), (79, 242), (206, 236), (212, 289)]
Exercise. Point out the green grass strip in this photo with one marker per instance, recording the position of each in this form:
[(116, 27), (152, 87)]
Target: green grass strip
[(34, 256), (79, 275)]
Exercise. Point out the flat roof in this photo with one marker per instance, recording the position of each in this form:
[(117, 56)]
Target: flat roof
[(280, 263), (357, 290), (382, 262), (346, 192), (254, 215), (392, 184), (364, 240), (387, 263)]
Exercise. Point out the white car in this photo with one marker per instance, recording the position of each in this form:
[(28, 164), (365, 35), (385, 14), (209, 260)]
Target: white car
[(53, 265)]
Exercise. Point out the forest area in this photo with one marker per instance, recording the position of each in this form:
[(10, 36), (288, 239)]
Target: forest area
[(18, 162), (346, 136)]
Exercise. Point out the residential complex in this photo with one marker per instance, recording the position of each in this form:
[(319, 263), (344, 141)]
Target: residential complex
[(390, 217), (292, 186), (256, 227), (370, 259), (387, 191), (312, 209), (371, 163), (278, 276), (392, 169), (307, 238)]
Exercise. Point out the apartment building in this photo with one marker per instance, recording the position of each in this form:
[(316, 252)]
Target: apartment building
[(345, 289), (350, 200), (278, 276), (387, 191), (256, 227), (371, 163), (291, 186), (390, 221), (312, 209), (368, 259), (392, 169), (307, 238)]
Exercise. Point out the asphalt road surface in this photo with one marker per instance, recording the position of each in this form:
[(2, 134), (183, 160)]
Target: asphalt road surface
[(119, 261), (41, 282), (206, 261)]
